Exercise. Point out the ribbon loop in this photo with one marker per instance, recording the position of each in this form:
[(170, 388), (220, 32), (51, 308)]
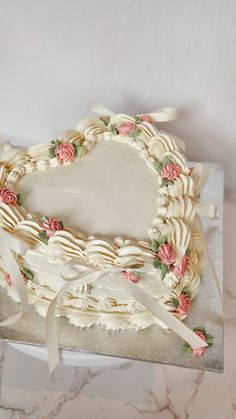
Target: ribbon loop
[(160, 115)]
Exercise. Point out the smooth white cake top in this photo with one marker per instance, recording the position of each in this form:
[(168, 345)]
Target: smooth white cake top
[(108, 193)]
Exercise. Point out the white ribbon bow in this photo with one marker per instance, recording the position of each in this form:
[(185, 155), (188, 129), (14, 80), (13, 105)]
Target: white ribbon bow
[(161, 115), (87, 274)]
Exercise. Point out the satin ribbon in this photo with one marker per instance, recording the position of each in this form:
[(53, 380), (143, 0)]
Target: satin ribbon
[(9, 244), (87, 274), (160, 115)]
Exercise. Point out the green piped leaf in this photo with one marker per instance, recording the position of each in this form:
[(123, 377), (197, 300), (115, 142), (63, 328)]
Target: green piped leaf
[(43, 219), (187, 292), (154, 246), (52, 152), (165, 269), (157, 264), (19, 199), (137, 273), (157, 166), (209, 339), (105, 119), (55, 142), (26, 272), (200, 329), (135, 133), (186, 348), (166, 161), (79, 150), (175, 302), (188, 251), (43, 237), (61, 224), (137, 119), (165, 182), (156, 243), (113, 130), (163, 240)]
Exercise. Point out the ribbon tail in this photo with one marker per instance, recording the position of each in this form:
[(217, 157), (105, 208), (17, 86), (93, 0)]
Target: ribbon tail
[(99, 109), (164, 114), (162, 314), (51, 334)]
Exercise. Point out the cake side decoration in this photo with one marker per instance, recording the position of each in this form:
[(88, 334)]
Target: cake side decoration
[(198, 352), (7, 196), (50, 226)]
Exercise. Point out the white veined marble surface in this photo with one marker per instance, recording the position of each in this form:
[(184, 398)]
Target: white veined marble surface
[(131, 390)]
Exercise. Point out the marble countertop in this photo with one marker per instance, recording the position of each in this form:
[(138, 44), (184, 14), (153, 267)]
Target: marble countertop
[(131, 389)]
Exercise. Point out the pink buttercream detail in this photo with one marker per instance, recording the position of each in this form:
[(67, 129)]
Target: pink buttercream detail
[(126, 128), (199, 351), (182, 267), (170, 172), (65, 152), (51, 226), (147, 118), (131, 276), (166, 254), (7, 196), (9, 281), (184, 304)]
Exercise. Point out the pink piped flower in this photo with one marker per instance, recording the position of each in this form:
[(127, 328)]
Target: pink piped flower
[(7, 196), (199, 351), (166, 254), (131, 276), (65, 152), (126, 128), (170, 172), (184, 304), (51, 225), (147, 118), (182, 267)]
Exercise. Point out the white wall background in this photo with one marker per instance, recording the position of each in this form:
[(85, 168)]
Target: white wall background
[(130, 55)]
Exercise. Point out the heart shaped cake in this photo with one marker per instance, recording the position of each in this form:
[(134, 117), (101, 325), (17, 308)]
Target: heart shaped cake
[(111, 194)]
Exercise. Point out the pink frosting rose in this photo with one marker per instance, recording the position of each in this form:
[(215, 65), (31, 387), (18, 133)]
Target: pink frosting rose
[(199, 351), (146, 118), (126, 128), (51, 225), (182, 267), (166, 254), (65, 152), (7, 196), (184, 304), (131, 276), (170, 172)]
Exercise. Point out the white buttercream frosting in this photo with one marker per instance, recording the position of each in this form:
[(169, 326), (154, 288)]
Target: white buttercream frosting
[(119, 204)]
